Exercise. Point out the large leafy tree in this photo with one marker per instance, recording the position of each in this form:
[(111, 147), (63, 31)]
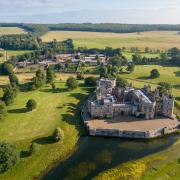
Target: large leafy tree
[(39, 79), (154, 74), (9, 156), (71, 83), (13, 79), (10, 93), (31, 104), (3, 110), (50, 75)]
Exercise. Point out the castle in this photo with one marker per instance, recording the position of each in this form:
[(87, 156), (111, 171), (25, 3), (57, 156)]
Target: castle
[(112, 101)]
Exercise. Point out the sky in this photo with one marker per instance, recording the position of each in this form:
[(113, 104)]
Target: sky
[(95, 11)]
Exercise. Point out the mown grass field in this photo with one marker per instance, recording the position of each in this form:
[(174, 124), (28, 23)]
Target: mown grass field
[(54, 109), (11, 30), (154, 40)]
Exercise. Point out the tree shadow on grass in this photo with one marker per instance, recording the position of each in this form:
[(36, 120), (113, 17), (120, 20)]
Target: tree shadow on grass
[(144, 77), (21, 110), (25, 154), (44, 140), (25, 87), (177, 73), (56, 90)]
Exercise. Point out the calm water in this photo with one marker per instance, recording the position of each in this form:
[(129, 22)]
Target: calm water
[(95, 154)]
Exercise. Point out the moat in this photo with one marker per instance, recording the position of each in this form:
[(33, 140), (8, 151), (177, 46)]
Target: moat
[(95, 154)]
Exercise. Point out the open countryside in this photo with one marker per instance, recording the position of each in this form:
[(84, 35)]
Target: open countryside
[(50, 135), (154, 39), (11, 30)]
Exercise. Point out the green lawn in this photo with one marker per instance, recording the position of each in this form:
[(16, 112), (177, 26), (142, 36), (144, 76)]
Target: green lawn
[(22, 127)]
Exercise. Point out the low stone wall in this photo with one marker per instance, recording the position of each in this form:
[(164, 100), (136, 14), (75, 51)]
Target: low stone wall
[(125, 133), (132, 134)]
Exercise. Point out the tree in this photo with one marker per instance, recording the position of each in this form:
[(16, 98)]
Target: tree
[(137, 59), (10, 93), (146, 50), (120, 82), (31, 104), (39, 79), (3, 110), (154, 74), (58, 134), (7, 68), (9, 156), (80, 76), (116, 61), (164, 57), (130, 67), (164, 88), (50, 75), (13, 79), (90, 81), (71, 83), (103, 72)]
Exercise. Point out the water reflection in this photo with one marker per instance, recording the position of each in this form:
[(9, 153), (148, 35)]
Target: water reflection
[(97, 154)]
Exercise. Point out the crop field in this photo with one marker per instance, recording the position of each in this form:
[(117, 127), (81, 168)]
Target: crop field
[(155, 40), (24, 127), (11, 30)]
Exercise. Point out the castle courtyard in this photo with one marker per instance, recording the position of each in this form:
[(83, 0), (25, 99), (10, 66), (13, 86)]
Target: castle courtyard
[(130, 123)]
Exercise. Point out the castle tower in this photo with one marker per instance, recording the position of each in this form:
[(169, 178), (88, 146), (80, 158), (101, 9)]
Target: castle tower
[(167, 105)]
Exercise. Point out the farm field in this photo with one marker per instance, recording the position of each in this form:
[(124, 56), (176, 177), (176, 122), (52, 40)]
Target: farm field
[(11, 30), (53, 109), (153, 39)]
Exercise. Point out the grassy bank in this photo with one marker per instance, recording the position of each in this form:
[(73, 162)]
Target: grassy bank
[(162, 165), (22, 128)]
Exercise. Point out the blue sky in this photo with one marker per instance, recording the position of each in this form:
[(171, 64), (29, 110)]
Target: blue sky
[(122, 11)]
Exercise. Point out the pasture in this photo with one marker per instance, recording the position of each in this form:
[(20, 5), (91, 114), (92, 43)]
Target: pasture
[(11, 30), (153, 39)]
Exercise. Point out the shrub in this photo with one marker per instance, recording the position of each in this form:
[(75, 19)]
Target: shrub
[(3, 110), (154, 74), (8, 156), (33, 148), (72, 83), (31, 104), (58, 134), (90, 81)]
